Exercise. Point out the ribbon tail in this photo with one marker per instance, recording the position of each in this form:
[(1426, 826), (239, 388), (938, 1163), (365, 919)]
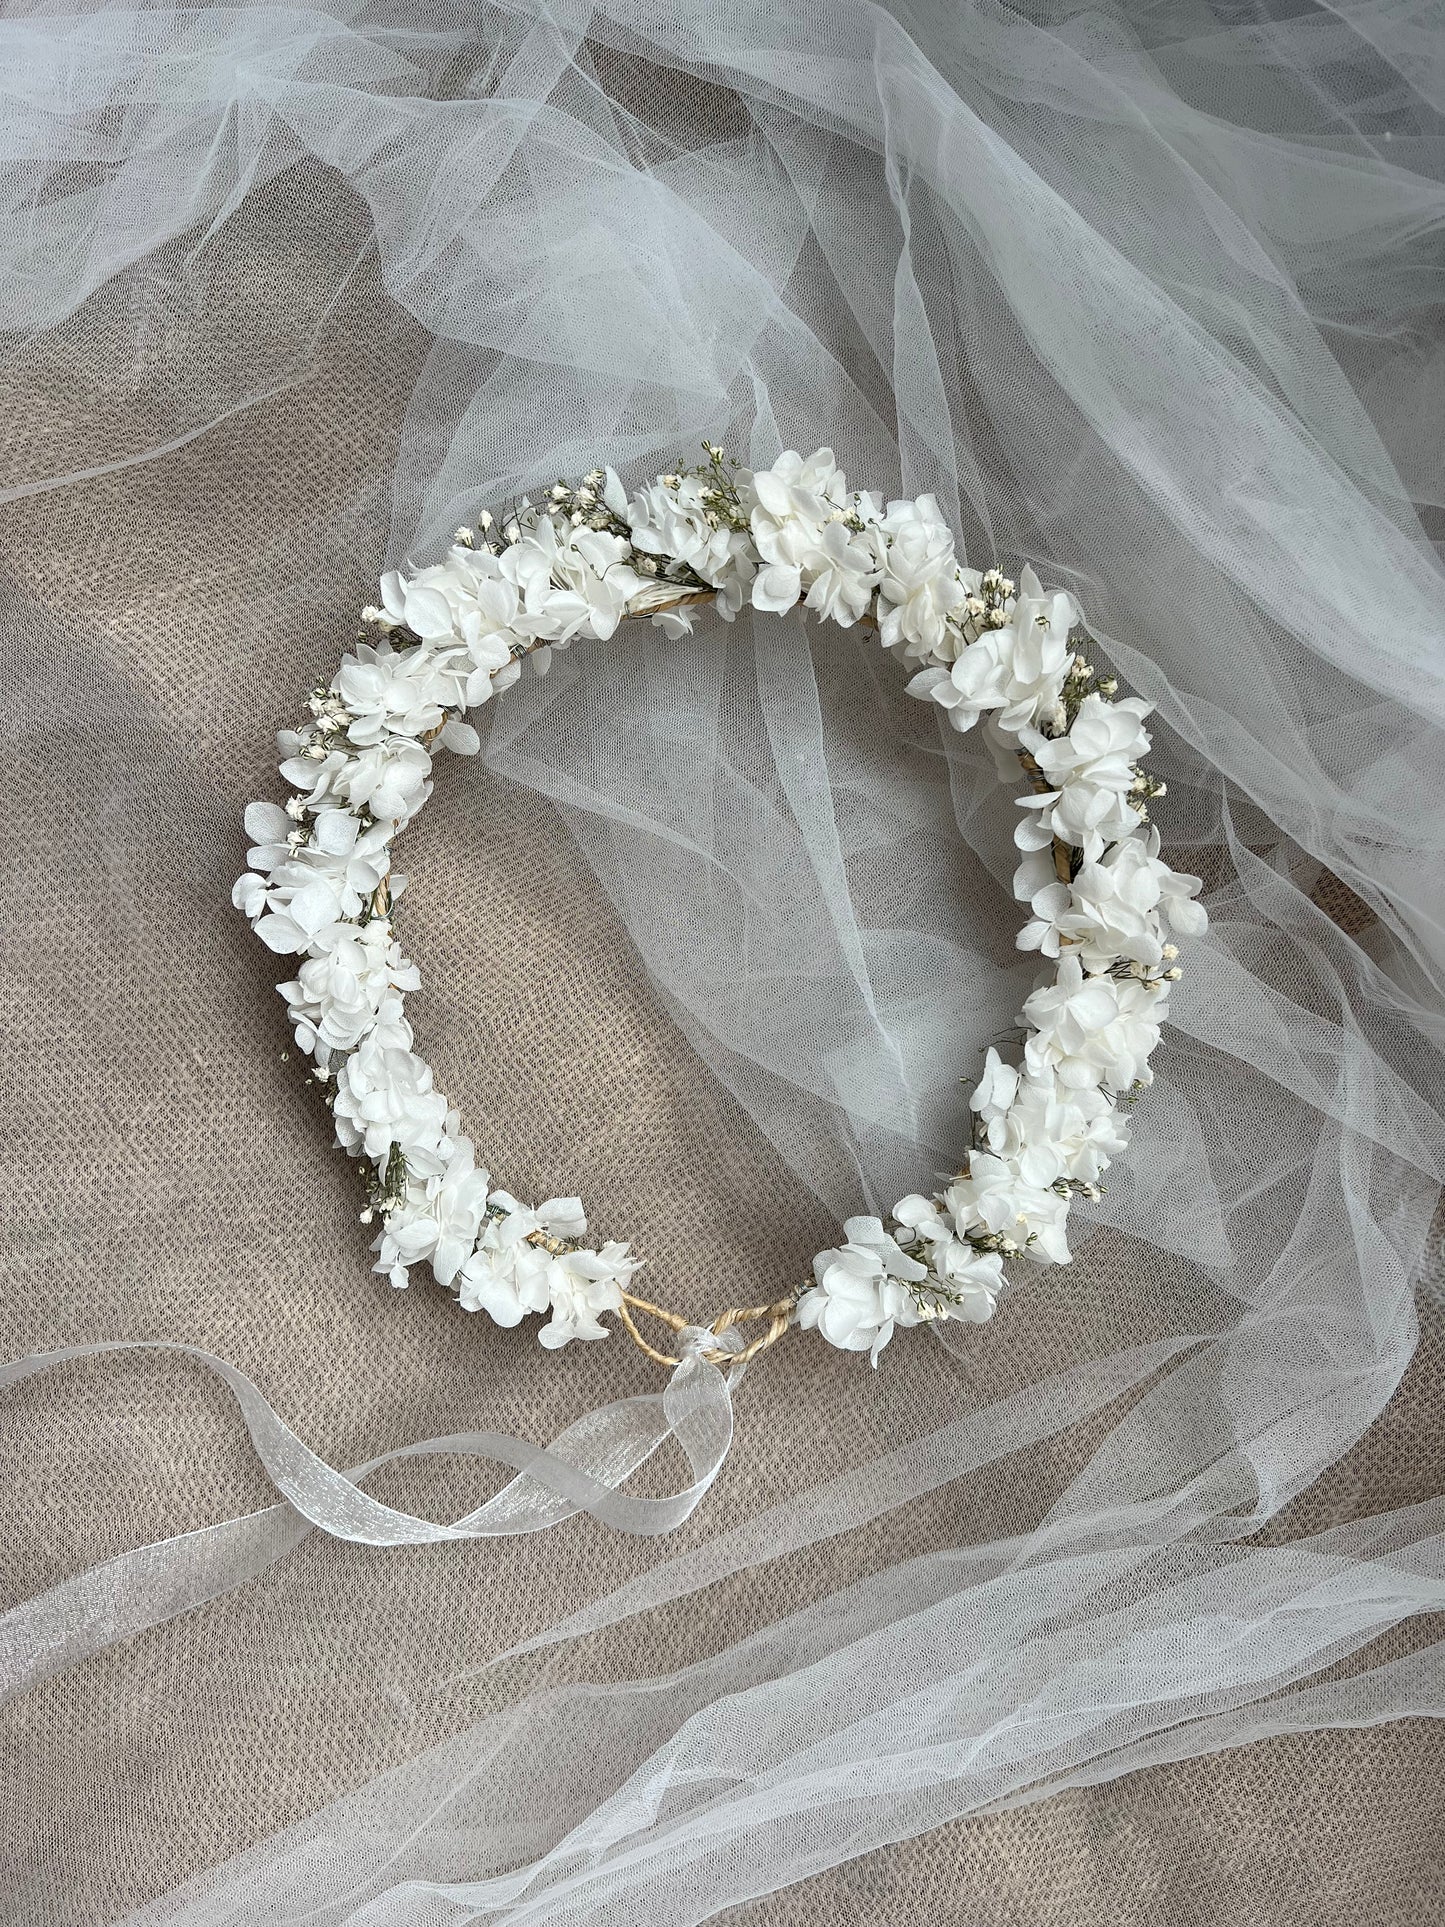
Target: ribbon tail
[(580, 1470)]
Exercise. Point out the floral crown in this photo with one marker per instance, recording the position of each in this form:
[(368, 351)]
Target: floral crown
[(582, 560)]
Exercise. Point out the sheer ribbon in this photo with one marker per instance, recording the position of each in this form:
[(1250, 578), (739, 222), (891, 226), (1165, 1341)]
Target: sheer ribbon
[(581, 1471)]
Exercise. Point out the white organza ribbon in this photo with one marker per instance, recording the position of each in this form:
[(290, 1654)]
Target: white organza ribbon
[(580, 1471)]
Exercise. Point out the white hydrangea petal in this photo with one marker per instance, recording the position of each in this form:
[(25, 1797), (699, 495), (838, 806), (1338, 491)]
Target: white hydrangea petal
[(460, 738)]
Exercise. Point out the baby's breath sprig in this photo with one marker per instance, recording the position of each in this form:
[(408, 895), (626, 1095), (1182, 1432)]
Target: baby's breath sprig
[(718, 486)]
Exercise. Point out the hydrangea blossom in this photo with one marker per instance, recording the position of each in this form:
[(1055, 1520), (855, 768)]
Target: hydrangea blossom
[(573, 579), (581, 1284), (1015, 670), (448, 636), (921, 588), (671, 521), (861, 1291), (351, 988)]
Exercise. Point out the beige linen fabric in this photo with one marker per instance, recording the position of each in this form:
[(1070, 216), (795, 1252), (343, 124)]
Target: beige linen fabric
[(167, 1175)]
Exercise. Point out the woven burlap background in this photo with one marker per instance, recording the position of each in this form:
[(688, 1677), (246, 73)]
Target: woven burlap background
[(166, 1175)]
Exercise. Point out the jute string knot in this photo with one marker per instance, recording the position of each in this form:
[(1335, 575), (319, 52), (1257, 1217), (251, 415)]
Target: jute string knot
[(701, 1341), (721, 1342)]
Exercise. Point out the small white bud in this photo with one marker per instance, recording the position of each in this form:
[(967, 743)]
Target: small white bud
[(367, 1215), (1170, 952), (1174, 974), (484, 520)]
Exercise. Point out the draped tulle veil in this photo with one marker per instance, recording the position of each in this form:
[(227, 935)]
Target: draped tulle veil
[(719, 930)]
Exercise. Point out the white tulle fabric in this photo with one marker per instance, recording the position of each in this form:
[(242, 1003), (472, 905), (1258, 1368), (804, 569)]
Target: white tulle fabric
[(1142, 301)]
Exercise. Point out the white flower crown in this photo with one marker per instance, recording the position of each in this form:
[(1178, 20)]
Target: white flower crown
[(320, 884)]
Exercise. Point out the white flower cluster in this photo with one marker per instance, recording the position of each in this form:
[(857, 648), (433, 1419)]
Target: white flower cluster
[(320, 886)]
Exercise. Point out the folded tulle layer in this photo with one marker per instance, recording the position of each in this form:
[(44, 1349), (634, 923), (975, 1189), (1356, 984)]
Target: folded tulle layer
[(1146, 295)]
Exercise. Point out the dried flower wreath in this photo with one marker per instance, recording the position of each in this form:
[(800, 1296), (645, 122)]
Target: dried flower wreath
[(320, 884)]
